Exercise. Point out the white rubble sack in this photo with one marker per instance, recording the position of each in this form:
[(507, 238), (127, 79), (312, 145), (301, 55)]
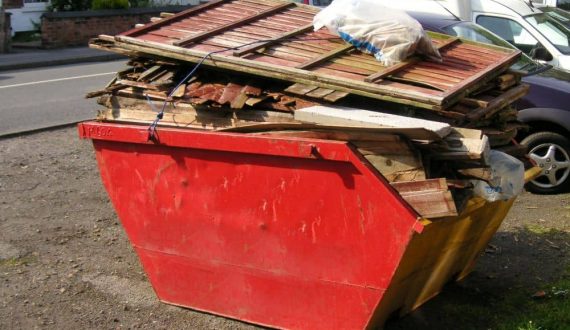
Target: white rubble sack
[(390, 35)]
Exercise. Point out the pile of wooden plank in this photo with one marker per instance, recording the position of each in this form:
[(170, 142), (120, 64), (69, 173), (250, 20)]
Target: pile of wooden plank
[(257, 67)]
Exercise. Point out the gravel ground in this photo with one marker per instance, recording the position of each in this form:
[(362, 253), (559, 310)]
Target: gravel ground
[(65, 262)]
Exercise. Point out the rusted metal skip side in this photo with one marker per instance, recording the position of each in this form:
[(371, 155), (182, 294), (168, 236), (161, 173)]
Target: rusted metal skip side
[(288, 238)]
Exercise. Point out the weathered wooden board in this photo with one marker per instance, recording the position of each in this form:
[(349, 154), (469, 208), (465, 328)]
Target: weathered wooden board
[(329, 115), (439, 184), (430, 198), (433, 204)]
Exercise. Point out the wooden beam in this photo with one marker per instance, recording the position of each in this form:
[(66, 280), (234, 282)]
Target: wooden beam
[(402, 65), (410, 133), (345, 116), (137, 84), (474, 102), (390, 70), (464, 149), (324, 57), (137, 31), (498, 103), (336, 134), (481, 173), (404, 166), (396, 146), (403, 187), (270, 42), (231, 25), (433, 204)]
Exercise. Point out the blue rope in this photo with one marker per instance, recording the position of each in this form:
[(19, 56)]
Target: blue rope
[(152, 128)]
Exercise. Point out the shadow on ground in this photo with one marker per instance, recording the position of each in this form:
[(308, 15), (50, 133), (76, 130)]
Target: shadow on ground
[(506, 289)]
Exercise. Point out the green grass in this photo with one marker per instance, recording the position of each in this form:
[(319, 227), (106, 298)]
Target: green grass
[(530, 326), (538, 230), (15, 262), (548, 313), (517, 309)]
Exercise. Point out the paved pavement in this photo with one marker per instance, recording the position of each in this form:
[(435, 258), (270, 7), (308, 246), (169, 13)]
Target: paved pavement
[(21, 58)]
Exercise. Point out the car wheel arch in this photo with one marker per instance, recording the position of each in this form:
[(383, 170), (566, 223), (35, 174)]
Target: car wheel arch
[(545, 120)]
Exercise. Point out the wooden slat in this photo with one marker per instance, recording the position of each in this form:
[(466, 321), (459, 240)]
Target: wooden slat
[(266, 43), (137, 84), (404, 166), (447, 42), (364, 133), (396, 146), (339, 135), (339, 74), (419, 83), (228, 26), (429, 185), (390, 70), (482, 173), (435, 204), (335, 96), (150, 72), (432, 74), (300, 89), (394, 68), (320, 93), (474, 102), (346, 68), (173, 18), (422, 78), (325, 56), (481, 77)]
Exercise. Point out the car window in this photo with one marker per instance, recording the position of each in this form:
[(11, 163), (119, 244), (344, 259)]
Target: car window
[(561, 16), (563, 4), (318, 3), (321, 3), (511, 31), (552, 30), (472, 31)]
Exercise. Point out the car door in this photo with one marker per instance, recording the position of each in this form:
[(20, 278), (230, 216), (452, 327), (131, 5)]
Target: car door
[(519, 36)]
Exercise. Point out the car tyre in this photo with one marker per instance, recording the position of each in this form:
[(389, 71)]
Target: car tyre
[(551, 151)]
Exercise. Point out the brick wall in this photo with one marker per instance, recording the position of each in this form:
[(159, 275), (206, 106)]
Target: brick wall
[(11, 4), (63, 29)]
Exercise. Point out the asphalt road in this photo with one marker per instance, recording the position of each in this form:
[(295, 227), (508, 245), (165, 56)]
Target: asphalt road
[(33, 99)]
